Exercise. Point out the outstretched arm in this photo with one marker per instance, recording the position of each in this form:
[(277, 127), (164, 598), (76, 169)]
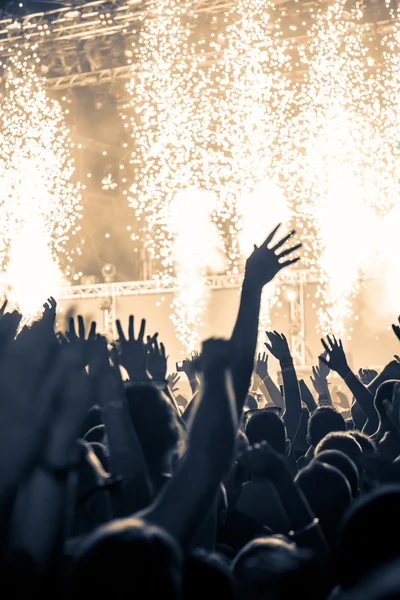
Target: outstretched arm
[(186, 499), (40, 524), (337, 361), (307, 397), (279, 347), (261, 267), (267, 385), (319, 380), (126, 455)]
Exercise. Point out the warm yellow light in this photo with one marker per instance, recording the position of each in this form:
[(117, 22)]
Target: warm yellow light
[(222, 114), (39, 204)]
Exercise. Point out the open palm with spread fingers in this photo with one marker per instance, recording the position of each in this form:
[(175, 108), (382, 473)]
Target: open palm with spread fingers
[(278, 345), (396, 329), (83, 344), (335, 355), (267, 260), (133, 351)]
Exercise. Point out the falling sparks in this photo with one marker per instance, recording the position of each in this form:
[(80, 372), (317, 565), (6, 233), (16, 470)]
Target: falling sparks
[(259, 216), (210, 127), (38, 202), (343, 158), (196, 252), (245, 114)]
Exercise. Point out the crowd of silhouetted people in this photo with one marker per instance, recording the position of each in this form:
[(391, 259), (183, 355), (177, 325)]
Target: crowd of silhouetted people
[(115, 484)]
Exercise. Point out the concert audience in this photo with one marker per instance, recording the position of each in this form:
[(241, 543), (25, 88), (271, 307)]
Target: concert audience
[(114, 489)]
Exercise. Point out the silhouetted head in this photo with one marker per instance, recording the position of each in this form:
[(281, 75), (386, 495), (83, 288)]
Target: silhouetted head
[(370, 535), (324, 420), (206, 573), (367, 445), (328, 493), (124, 557), (342, 441), (266, 425), (156, 424), (344, 464), (384, 392), (271, 568)]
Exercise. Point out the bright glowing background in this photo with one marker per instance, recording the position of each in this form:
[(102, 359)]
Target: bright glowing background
[(39, 204), (324, 150)]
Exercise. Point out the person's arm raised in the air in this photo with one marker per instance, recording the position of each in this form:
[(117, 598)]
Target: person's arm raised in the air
[(262, 461), (336, 360), (367, 375), (190, 372), (41, 515), (172, 382), (24, 410), (126, 456), (319, 379), (279, 347), (307, 397), (133, 352), (186, 499), (267, 385), (261, 267), (83, 345), (396, 329)]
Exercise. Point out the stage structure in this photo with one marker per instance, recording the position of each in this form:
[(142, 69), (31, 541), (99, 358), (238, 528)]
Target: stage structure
[(88, 43), (108, 293)]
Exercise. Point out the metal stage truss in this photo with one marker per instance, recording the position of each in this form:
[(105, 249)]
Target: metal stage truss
[(88, 44), (109, 292)]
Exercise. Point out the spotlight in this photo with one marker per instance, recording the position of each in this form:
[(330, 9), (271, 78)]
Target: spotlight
[(291, 295), (108, 272)]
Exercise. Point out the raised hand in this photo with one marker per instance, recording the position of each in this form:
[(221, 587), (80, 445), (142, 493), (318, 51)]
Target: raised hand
[(335, 356), (265, 262), (84, 346), (261, 366), (9, 323), (188, 365), (105, 378), (172, 381), (190, 370), (49, 312), (367, 375), (396, 329), (323, 368), (156, 359), (278, 345), (133, 352), (320, 382)]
